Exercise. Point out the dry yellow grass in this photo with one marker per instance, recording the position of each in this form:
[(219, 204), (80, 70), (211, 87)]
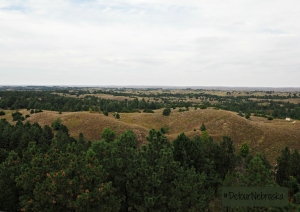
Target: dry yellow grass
[(262, 135), (90, 124)]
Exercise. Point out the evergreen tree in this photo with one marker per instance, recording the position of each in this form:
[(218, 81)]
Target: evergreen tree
[(151, 187), (256, 175), (108, 134), (189, 152), (166, 111), (9, 195), (244, 150), (188, 191), (56, 124), (283, 162), (202, 128), (225, 158)]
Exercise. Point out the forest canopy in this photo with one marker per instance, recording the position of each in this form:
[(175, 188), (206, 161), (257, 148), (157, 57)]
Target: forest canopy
[(46, 170)]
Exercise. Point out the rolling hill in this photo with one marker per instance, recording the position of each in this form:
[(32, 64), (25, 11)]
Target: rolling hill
[(262, 135)]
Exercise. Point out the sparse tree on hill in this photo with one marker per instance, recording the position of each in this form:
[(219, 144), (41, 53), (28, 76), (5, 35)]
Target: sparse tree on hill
[(202, 128), (117, 116), (166, 111), (244, 150), (105, 112)]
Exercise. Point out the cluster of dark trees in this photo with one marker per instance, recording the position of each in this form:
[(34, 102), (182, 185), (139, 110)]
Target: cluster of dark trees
[(45, 169), (278, 109), (46, 100), (263, 105)]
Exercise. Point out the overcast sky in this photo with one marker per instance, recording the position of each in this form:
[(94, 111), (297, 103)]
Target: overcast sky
[(150, 42)]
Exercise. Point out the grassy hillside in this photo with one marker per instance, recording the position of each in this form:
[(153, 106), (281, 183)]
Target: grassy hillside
[(262, 135)]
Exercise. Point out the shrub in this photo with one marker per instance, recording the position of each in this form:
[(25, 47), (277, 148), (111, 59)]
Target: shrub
[(203, 107), (181, 110), (166, 111), (117, 115), (164, 129), (244, 150), (148, 111), (202, 128), (241, 114)]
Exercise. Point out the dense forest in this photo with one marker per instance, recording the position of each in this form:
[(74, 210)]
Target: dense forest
[(45, 169)]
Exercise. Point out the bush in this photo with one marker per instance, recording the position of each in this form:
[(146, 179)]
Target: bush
[(241, 114), (148, 111), (164, 129), (270, 118), (203, 107), (166, 111), (117, 115), (105, 112), (2, 113), (181, 110), (203, 128)]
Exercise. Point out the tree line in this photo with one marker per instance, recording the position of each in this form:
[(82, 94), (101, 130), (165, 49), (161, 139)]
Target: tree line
[(47, 100)]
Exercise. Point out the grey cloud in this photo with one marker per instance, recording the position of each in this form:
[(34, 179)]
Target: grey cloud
[(190, 42)]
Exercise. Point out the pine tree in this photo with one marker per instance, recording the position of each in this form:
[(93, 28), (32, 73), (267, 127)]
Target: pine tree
[(225, 158), (9, 195), (189, 152), (188, 191), (283, 162), (108, 134), (244, 150), (202, 128), (256, 174), (151, 187)]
